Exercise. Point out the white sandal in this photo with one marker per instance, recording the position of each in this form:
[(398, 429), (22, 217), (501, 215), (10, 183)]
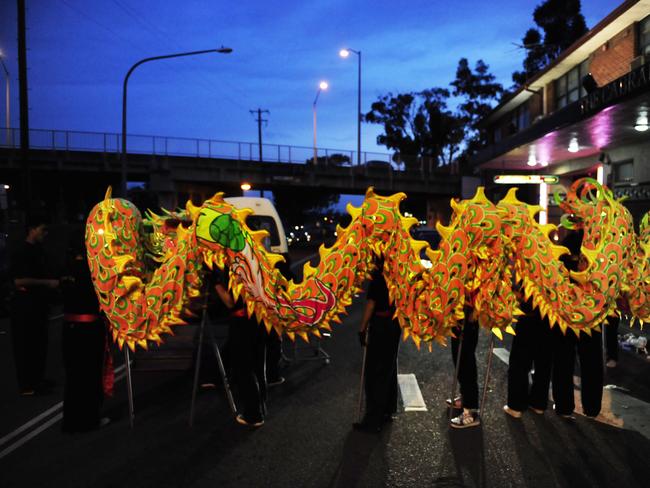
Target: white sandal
[(469, 418)]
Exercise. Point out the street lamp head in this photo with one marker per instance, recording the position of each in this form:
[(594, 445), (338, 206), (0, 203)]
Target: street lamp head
[(344, 53), (224, 50), (245, 186), (323, 85)]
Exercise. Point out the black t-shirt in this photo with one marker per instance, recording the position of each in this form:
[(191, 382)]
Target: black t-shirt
[(378, 291), (29, 261), (79, 295)]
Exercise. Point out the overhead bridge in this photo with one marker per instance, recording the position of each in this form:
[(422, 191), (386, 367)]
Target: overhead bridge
[(171, 164)]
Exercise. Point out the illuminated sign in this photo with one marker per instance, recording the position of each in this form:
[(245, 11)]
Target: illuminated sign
[(526, 179)]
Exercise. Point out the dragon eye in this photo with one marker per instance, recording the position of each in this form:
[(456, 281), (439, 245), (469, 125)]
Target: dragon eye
[(225, 231)]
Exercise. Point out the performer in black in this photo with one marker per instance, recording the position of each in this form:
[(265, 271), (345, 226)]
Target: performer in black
[(84, 346), (589, 350), (30, 307), (531, 348), (383, 334), (467, 373), (247, 357)]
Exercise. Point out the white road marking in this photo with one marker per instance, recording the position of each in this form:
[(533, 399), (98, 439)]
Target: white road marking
[(411, 394), (502, 353), (30, 435), (27, 425)]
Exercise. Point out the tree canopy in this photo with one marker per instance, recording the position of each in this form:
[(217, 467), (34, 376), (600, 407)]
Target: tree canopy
[(417, 125), (421, 127), (559, 24)]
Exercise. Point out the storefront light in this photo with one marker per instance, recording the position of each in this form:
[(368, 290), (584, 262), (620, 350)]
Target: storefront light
[(526, 179), (532, 159), (642, 122)]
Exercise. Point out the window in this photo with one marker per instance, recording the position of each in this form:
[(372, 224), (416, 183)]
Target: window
[(644, 36), (520, 118), (264, 222), (497, 134), (624, 172), (568, 88), (523, 116)]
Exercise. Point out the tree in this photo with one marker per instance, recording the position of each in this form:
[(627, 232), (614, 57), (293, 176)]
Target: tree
[(417, 125), (479, 92), (335, 159), (562, 24)]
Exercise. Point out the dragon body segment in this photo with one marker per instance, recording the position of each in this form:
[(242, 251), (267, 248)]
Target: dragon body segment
[(146, 282)]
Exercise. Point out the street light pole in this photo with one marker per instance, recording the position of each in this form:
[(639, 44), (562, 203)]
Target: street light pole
[(7, 100), (223, 50), (322, 86), (344, 53)]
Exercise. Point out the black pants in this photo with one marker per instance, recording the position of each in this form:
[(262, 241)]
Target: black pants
[(380, 380), (611, 337), (83, 359), (531, 347), (29, 335), (589, 349), (247, 358), (467, 375), (273, 355)]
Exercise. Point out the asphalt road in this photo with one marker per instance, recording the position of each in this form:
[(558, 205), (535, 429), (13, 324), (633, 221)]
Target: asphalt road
[(307, 440)]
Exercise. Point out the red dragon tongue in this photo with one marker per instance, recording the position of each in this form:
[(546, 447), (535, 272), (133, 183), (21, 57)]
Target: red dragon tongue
[(316, 308)]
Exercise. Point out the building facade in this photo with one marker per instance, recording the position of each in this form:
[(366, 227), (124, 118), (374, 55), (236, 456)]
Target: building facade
[(586, 114)]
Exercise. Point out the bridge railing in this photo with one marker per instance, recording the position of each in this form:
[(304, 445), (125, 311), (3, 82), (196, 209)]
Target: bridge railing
[(107, 142)]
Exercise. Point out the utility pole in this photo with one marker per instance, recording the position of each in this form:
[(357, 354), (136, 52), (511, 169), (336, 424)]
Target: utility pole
[(259, 120), (24, 104)]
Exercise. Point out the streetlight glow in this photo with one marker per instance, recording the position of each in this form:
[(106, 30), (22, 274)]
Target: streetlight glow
[(245, 186), (344, 53), (323, 85)]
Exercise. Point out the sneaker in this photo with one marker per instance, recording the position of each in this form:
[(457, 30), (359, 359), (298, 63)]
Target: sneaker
[(469, 418), (241, 420), (610, 363), (27, 392), (538, 411), (515, 414), (565, 416), (455, 403), (276, 382)]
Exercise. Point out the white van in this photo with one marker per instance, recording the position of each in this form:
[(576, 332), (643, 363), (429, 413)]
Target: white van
[(264, 217)]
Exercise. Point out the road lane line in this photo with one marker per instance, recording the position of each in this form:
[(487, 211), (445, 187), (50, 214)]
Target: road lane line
[(27, 425), (50, 411), (29, 436), (411, 394)]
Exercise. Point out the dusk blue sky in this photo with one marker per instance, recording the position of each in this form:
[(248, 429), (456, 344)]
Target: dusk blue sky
[(80, 50)]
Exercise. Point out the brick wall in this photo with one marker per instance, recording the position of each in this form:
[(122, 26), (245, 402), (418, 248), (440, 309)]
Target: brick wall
[(612, 59)]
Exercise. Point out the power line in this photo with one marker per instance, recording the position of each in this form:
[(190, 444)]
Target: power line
[(169, 41)]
